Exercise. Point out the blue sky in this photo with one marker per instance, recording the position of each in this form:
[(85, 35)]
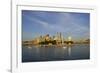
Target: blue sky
[(35, 23)]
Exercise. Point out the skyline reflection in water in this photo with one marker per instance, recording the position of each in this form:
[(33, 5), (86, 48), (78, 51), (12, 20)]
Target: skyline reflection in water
[(74, 52)]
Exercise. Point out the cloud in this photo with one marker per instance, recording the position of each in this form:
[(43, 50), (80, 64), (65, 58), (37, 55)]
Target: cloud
[(64, 22)]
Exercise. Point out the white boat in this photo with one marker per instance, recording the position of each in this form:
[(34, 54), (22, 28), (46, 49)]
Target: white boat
[(64, 47), (29, 47)]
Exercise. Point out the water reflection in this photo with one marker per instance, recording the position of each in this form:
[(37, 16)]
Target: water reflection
[(69, 52)]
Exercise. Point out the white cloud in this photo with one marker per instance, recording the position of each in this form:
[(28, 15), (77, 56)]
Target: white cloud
[(64, 24)]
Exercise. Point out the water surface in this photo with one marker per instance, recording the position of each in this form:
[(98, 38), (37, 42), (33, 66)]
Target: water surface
[(74, 52)]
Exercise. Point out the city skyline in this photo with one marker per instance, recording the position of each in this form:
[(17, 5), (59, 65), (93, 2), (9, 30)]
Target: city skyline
[(76, 25)]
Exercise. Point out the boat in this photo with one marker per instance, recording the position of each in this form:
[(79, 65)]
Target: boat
[(64, 47), (29, 47)]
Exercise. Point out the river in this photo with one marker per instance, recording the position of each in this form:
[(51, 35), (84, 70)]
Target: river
[(37, 54)]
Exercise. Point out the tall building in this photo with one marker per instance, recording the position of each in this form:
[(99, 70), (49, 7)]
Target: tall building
[(69, 38)]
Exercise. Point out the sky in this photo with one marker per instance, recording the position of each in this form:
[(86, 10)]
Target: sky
[(36, 23)]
